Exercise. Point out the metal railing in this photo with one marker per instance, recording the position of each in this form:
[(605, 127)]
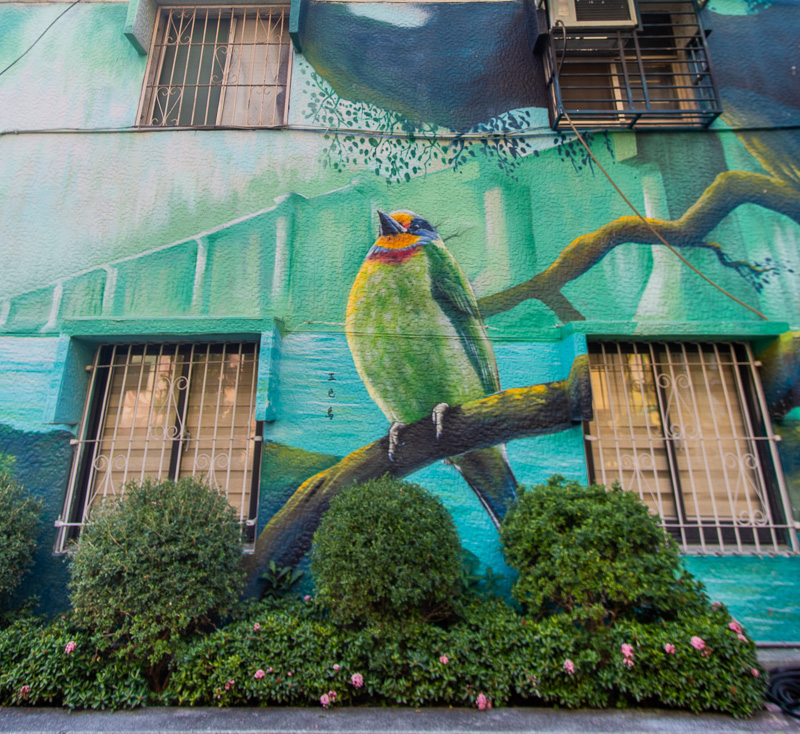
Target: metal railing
[(656, 75)]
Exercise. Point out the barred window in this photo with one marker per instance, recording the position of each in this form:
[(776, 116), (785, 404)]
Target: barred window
[(685, 426), (168, 411), (218, 67), (603, 70)]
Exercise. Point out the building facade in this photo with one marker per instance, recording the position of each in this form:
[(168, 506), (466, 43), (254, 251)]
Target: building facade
[(289, 247)]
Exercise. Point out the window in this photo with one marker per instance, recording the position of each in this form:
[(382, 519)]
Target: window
[(685, 426), (218, 67), (655, 74), (168, 411)]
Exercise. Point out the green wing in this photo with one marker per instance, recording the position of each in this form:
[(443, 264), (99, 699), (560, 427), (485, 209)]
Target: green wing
[(452, 291)]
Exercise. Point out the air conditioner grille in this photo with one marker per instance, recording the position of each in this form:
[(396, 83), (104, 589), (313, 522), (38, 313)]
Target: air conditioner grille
[(600, 10)]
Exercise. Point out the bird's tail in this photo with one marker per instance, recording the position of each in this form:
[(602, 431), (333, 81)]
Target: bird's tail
[(488, 473)]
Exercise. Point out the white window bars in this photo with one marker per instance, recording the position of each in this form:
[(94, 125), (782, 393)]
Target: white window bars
[(167, 411), (218, 67), (686, 427)]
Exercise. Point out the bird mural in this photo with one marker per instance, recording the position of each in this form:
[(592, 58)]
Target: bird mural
[(420, 346)]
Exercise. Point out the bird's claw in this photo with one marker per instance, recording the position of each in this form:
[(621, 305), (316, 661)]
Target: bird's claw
[(438, 418), (394, 438)]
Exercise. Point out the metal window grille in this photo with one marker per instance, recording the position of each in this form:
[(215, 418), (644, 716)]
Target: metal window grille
[(686, 427), (655, 75), (218, 67), (168, 411)]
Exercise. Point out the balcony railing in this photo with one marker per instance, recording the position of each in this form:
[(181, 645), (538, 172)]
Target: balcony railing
[(656, 75)]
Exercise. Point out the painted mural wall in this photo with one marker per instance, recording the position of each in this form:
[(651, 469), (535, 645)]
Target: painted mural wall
[(417, 238)]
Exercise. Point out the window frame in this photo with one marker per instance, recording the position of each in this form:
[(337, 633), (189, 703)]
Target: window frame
[(91, 436), (694, 531), (159, 49)]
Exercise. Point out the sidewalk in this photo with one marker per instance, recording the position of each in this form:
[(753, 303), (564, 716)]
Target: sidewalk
[(391, 720)]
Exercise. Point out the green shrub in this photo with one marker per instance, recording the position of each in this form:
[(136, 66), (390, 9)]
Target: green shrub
[(278, 582), (58, 664), (19, 516), (386, 550), (292, 655), (596, 551), (154, 566)]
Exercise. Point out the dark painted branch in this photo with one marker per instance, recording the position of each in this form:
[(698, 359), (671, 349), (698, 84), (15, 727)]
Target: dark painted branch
[(729, 190), (507, 415)]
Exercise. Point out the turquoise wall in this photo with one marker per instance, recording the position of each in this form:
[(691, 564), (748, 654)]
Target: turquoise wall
[(108, 232)]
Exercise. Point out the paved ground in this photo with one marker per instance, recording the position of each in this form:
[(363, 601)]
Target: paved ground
[(391, 720)]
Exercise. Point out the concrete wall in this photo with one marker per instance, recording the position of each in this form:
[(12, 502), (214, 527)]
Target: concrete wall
[(109, 232)]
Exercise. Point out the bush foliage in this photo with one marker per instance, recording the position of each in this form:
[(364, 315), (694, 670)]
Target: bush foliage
[(58, 664), (155, 565), (492, 651), (386, 550), (595, 553), (19, 516), (292, 654), (149, 570)]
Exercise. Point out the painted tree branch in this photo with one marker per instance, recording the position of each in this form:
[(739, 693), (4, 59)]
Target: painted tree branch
[(507, 415), (729, 190)]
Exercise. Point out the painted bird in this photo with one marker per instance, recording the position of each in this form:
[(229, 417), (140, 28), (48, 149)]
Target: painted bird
[(420, 346)]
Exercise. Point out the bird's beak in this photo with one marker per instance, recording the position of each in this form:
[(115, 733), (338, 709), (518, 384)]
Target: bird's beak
[(389, 226)]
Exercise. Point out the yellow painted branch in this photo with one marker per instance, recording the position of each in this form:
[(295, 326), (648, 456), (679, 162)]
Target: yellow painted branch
[(495, 419), (729, 190)]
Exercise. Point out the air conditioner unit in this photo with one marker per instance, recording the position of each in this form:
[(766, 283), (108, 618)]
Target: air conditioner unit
[(593, 13)]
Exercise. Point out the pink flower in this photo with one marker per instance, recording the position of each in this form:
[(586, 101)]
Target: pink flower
[(716, 604), (357, 680), (569, 666), (70, 648), (325, 700), (289, 674), (627, 650), (742, 638), (229, 684), (482, 702), (332, 695), (669, 648), (735, 627), (628, 662), (444, 660), (25, 690), (256, 627), (307, 597), (336, 666), (259, 674), (698, 643), (270, 670), (754, 672)]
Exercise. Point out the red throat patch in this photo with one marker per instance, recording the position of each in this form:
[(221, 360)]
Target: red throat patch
[(393, 257)]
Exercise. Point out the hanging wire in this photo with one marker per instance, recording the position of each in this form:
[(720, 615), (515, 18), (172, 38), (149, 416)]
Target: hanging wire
[(39, 37), (560, 24), (653, 229)]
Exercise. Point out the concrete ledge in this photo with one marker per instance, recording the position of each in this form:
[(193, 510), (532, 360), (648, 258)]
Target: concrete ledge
[(394, 720), (778, 657)]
